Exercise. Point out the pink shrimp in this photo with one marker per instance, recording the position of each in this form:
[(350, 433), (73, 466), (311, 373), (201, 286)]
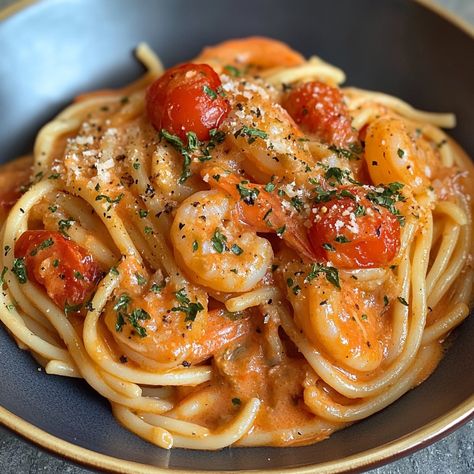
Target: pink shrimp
[(260, 209)]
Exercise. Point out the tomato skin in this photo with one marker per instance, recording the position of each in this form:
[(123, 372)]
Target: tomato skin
[(319, 108), (70, 280), (373, 238), (179, 103)]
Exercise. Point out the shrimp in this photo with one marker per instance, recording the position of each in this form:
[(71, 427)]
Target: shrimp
[(263, 136), (13, 177), (341, 322), (392, 154), (260, 209), (253, 54), (169, 326), (214, 248)]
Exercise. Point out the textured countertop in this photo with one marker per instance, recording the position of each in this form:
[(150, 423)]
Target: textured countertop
[(452, 455)]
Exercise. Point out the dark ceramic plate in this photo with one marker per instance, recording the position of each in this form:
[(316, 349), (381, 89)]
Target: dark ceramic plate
[(50, 51)]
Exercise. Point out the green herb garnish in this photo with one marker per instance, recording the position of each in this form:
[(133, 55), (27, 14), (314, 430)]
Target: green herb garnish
[(331, 273), (249, 195), (19, 270), (251, 133), (218, 241), (186, 306)]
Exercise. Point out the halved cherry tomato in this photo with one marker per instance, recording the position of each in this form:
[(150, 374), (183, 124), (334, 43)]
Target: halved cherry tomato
[(187, 98), (354, 233), (320, 109), (68, 273)]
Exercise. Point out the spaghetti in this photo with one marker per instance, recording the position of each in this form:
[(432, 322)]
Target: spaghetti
[(238, 251)]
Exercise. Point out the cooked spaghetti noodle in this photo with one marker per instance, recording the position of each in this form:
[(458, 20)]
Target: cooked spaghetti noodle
[(238, 251)]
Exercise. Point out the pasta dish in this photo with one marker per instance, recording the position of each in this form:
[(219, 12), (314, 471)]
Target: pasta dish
[(237, 250)]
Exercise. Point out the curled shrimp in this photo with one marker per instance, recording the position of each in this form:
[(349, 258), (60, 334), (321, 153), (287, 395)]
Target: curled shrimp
[(213, 248), (169, 326), (393, 154), (338, 321), (263, 136), (260, 209), (253, 54)]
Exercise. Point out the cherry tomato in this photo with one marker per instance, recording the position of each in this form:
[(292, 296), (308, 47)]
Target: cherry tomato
[(320, 109), (68, 273), (354, 233), (187, 98)]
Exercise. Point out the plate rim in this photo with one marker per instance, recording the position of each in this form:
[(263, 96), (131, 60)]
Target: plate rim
[(413, 441)]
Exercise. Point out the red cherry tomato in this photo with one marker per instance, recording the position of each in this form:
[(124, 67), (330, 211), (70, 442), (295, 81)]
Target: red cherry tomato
[(187, 98), (68, 273), (354, 233), (320, 109)]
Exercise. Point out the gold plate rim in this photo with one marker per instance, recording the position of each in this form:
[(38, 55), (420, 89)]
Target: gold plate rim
[(400, 447)]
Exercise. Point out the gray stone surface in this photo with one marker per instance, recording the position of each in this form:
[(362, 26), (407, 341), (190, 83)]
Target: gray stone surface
[(452, 455)]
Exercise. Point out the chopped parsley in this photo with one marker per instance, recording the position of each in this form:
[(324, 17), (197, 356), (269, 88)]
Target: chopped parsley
[(388, 197), (353, 152), (233, 71), (249, 195), (296, 289), (194, 148), (19, 270), (385, 300), (280, 231), (122, 302), (65, 224), (120, 322), (185, 152), (195, 245), (109, 200), (114, 271), (331, 273), (400, 153), (186, 306), (218, 241), (269, 187), (251, 133), (297, 203), (156, 288), (134, 318), (342, 239), (210, 92), (71, 308), (236, 249), (236, 401), (327, 246), (2, 275), (43, 245), (359, 210), (141, 280), (142, 213), (323, 195), (339, 175)]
